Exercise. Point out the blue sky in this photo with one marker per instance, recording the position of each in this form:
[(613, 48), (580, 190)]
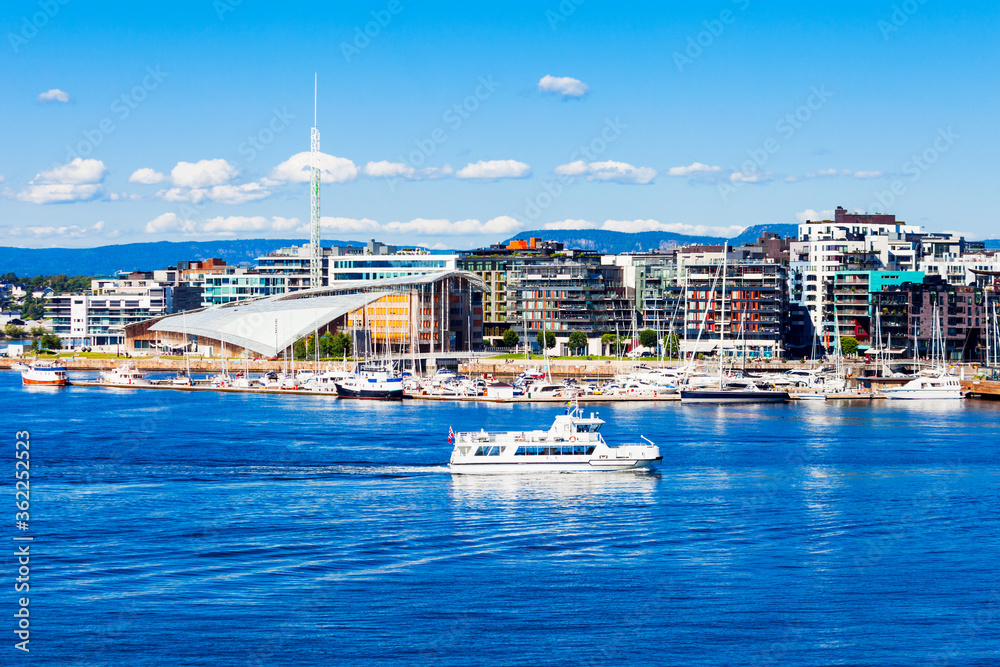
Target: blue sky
[(459, 124)]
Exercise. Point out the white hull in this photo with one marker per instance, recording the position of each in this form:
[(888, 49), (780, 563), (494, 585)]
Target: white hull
[(547, 467), (921, 394), (572, 444)]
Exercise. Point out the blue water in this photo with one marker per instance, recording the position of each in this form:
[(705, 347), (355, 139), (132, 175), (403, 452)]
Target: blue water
[(232, 529)]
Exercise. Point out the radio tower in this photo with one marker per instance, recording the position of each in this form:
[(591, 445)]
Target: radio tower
[(316, 252)]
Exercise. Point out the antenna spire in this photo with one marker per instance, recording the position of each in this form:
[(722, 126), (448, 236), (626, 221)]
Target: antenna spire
[(315, 88), (315, 249)]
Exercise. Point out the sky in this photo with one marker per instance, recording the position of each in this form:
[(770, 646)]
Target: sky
[(457, 125)]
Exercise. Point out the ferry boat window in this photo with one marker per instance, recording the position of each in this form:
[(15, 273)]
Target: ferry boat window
[(580, 449), (590, 450), (479, 451)]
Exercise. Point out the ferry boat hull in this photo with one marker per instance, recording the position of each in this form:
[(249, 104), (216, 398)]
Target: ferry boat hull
[(553, 466), (737, 396)]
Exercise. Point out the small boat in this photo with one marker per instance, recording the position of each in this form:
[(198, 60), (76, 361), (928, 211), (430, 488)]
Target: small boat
[(125, 375), (181, 380), (372, 381), (572, 444), (748, 393), (45, 373), (927, 388)]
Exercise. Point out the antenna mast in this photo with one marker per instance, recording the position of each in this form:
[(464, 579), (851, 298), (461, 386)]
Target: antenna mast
[(316, 251)]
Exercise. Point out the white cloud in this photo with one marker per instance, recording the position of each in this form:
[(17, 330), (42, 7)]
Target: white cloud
[(54, 95), (1, 178), (566, 86), (77, 171), (500, 225), (69, 231), (608, 171), (80, 180), (332, 169), (829, 173), (258, 223), (811, 214), (169, 223), (578, 168), (349, 225), (238, 194), (146, 176), (693, 169), (490, 170), (201, 173), (620, 172), (752, 177), (675, 227), (571, 224), (386, 169)]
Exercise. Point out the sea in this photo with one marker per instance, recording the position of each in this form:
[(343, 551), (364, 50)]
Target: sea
[(203, 528)]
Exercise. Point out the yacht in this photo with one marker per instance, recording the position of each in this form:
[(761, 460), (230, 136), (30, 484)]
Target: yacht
[(572, 444), (927, 388), (373, 381), (748, 392), (125, 374), (182, 379), (47, 373)]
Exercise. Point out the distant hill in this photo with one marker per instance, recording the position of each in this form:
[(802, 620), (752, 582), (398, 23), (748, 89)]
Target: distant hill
[(105, 260), (992, 244), (601, 240)]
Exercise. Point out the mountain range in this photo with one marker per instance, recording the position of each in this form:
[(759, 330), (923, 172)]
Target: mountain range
[(106, 260)]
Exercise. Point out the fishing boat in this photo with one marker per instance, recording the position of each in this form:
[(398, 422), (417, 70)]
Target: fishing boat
[(45, 373), (125, 374), (372, 380), (927, 388), (572, 444)]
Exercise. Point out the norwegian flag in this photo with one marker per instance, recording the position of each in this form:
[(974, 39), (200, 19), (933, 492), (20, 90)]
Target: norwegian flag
[(451, 435)]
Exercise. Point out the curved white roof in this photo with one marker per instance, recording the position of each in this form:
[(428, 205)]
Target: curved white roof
[(270, 324)]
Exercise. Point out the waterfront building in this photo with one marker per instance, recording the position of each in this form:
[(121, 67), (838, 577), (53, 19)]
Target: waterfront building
[(851, 305), (100, 317), (914, 313), (436, 313), (567, 292), (746, 310)]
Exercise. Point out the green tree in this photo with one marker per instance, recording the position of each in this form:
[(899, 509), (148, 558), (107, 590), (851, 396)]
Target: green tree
[(299, 349), (510, 338), (326, 345), (647, 338), (546, 339), (672, 345), (38, 331), (13, 331), (849, 345), (578, 341), (50, 341), (341, 344)]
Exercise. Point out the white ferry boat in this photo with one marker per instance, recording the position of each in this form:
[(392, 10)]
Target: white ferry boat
[(45, 373), (573, 444), (926, 388), (126, 374)]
